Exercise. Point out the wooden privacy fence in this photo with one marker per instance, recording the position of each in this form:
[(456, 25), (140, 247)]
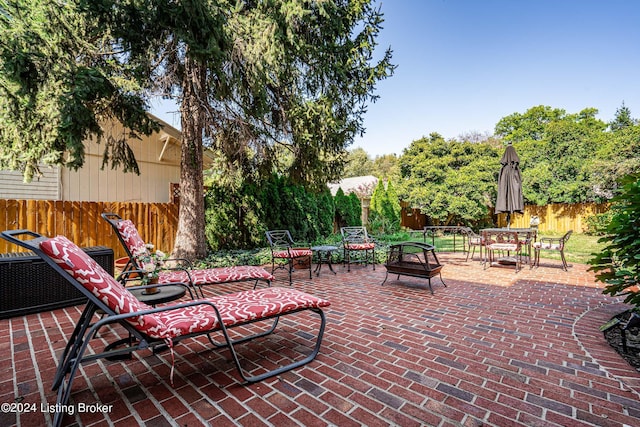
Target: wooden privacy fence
[(556, 217), (81, 222), (158, 222)]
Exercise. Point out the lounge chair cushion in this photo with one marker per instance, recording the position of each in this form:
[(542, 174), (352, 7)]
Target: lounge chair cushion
[(545, 245), (215, 275), (238, 308), (476, 240), (131, 237), (235, 308)]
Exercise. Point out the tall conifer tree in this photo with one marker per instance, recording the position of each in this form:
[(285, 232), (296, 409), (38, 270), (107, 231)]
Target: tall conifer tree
[(249, 76)]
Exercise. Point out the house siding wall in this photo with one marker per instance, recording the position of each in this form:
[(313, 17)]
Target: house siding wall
[(94, 184), (46, 187), (91, 183)]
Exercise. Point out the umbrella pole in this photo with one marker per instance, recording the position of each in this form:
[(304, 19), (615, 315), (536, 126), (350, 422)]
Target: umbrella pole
[(508, 219)]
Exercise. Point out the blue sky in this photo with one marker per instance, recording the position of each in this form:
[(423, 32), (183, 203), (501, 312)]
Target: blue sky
[(465, 64)]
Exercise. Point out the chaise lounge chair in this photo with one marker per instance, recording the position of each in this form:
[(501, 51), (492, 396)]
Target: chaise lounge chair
[(134, 245), (155, 327)]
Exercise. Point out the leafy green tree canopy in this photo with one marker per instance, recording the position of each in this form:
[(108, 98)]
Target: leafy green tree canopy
[(358, 163), (616, 157), (385, 166), (528, 126), (59, 82), (556, 151), (622, 119), (450, 181)]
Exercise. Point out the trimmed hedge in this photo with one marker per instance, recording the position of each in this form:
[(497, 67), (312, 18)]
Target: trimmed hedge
[(237, 217)]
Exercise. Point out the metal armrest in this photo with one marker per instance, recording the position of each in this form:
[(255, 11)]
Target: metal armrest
[(551, 239), (188, 263), (300, 245)]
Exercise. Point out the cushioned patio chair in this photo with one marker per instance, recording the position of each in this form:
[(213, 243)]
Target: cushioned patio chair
[(504, 243), (283, 248), (355, 240), (474, 240), (165, 326), (182, 272), (555, 244)]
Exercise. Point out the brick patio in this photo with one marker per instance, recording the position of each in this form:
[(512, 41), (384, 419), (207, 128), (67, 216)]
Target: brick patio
[(493, 348)]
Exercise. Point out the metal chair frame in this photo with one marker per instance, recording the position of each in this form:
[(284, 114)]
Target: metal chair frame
[(552, 242), (353, 240), (283, 247)]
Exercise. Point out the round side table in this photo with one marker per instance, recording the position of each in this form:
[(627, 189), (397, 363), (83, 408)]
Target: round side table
[(324, 256), (164, 294)]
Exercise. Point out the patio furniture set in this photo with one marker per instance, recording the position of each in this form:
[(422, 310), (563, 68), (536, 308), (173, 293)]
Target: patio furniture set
[(357, 247), (499, 240), (161, 319), (404, 259), (518, 243), (152, 325)]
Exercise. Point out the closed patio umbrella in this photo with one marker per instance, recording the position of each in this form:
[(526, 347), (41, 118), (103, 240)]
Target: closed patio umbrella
[(509, 198)]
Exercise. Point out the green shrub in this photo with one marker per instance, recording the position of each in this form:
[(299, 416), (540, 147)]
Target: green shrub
[(597, 224), (239, 212), (348, 209), (618, 264), (384, 209), (233, 218), (355, 211), (234, 257)]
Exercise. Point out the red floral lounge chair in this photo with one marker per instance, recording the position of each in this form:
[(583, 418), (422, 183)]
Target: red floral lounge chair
[(134, 245), (153, 327)]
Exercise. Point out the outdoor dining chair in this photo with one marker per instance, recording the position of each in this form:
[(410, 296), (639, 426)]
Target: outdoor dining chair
[(180, 271), (284, 248), (555, 244), (356, 241), (474, 240), (499, 243), (166, 326)]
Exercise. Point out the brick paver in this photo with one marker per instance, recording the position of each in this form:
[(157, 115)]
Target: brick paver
[(493, 348)]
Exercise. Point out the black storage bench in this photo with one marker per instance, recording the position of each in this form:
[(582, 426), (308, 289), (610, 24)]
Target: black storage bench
[(28, 285), (413, 259)]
